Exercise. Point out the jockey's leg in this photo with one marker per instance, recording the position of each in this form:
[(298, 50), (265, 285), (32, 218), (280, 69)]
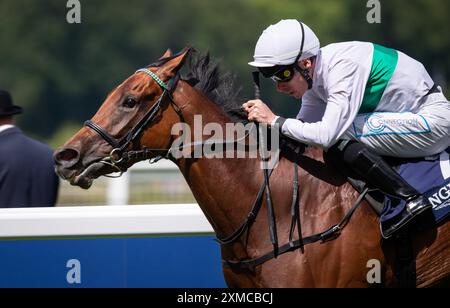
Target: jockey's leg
[(423, 133), (372, 168), (406, 134)]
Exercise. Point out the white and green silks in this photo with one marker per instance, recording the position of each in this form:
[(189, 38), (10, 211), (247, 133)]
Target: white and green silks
[(376, 95)]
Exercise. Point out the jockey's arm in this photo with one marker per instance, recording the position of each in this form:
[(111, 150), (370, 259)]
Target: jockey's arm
[(345, 93)]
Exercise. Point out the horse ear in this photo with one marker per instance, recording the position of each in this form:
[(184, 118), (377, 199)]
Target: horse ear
[(167, 54), (171, 67)]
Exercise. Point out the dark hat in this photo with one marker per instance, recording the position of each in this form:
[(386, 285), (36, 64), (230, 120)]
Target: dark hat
[(6, 105)]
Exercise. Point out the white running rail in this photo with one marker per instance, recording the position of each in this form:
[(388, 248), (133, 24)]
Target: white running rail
[(129, 220)]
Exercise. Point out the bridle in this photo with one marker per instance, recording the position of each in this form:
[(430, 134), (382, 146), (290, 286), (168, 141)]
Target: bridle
[(119, 154)]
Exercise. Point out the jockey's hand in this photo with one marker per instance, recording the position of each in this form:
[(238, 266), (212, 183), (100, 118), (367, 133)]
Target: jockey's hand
[(259, 112)]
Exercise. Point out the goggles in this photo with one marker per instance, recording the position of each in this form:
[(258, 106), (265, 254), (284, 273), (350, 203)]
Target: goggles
[(278, 73)]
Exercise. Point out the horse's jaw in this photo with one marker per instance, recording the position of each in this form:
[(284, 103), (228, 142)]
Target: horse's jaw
[(86, 178)]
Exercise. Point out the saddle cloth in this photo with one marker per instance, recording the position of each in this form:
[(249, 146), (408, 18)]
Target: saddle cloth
[(431, 177)]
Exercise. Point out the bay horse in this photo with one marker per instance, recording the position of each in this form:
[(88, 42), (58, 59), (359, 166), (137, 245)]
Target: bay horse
[(138, 117)]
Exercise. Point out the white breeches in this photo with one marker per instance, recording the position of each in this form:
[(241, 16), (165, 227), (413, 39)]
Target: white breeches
[(425, 132)]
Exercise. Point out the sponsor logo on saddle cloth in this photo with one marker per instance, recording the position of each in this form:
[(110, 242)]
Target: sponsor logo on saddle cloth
[(387, 123), (439, 196), (431, 177)]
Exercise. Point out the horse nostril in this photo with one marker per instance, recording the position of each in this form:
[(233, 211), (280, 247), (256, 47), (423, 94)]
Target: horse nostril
[(66, 157)]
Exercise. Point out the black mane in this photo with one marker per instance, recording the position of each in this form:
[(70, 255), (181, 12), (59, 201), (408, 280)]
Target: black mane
[(205, 75)]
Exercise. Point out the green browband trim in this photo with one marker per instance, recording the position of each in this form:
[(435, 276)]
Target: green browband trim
[(155, 78)]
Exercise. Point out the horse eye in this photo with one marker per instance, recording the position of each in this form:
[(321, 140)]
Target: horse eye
[(129, 103)]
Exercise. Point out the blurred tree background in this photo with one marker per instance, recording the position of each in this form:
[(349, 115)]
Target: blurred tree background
[(60, 73)]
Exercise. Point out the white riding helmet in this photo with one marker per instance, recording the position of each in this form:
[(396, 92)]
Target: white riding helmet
[(280, 44)]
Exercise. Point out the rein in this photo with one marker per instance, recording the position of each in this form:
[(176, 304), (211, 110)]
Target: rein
[(330, 234), (119, 155)]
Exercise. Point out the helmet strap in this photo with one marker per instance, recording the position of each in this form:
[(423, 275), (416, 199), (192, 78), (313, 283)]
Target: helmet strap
[(303, 72), (305, 75)]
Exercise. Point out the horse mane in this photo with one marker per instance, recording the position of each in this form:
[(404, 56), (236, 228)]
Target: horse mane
[(206, 76)]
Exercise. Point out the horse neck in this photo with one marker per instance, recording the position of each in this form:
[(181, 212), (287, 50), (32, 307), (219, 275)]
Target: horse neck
[(227, 188), (220, 186)]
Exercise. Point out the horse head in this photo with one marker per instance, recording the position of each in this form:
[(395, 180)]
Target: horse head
[(134, 122)]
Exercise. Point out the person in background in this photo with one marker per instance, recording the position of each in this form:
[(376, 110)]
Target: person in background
[(27, 176)]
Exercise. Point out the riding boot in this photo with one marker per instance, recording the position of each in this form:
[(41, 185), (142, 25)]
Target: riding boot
[(374, 170)]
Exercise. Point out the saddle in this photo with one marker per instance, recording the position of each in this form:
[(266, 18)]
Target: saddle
[(429, 175)]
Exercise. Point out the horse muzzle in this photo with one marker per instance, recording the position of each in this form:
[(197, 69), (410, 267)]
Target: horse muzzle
[(69, 166)]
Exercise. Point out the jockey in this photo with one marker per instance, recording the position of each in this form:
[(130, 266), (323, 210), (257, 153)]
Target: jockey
[(359, 101)]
